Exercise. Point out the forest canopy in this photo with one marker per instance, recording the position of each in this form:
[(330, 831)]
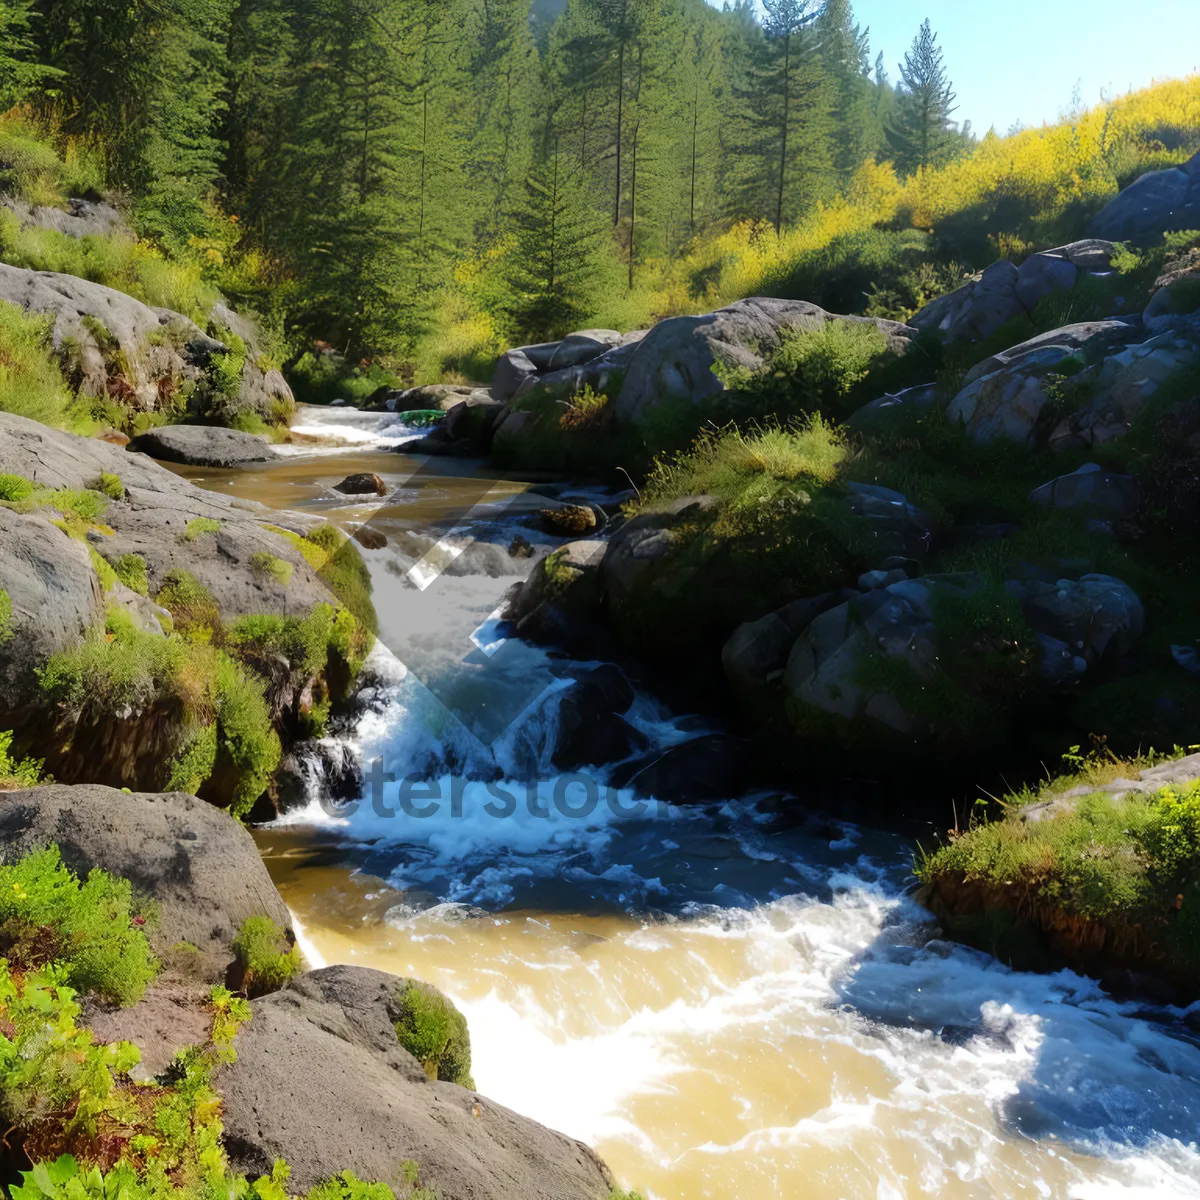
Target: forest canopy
[(421, 183)]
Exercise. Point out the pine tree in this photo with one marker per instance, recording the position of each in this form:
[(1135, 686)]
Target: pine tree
[(920, 131), (561, 261), (845, 54), (20, 70)]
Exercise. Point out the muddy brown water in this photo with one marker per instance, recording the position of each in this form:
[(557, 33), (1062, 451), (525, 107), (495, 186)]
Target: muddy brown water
[(723, 1007)]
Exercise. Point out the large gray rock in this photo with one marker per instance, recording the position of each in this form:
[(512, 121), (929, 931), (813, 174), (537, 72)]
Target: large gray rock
[(263, 388), (975, 310), (81, 218), (1088, 340), (197, 864), (1004, 291), (877, 412), (1004, 395), (597, 373), (331, 1034), (1175, 303), (512, 370), (54, 595), (1093, 491), (1077, 622), (897, 527), (202, 445), (578, 348), (1121, 387), (674, 363), (114, 344), (1159, 202), (104, 335)]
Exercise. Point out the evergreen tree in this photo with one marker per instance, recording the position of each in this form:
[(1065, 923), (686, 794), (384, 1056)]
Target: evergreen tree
[(20, 71), (844, 49), (920, 131), (561, 260)]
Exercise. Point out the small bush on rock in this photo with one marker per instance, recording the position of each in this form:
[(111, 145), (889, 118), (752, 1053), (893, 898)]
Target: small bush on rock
[(435, 1033), (267, 957), (91, 929), (17, 772)]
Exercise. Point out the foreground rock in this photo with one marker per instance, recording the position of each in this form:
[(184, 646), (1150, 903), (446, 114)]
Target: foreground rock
[(201, 446), (331, 1034), (197, 864)]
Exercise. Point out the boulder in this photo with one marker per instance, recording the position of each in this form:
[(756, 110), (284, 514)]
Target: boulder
[(1090, 616), (674, 363), (568, 520), (873, 415), (1004, 291), (589, 727), (430, 395), (202, 446), (1040, 275), (1094, 491), (975, 310), (81, 218), (325, 769), (1088, 341), (332, 1034), (112, 344), (1004, 395), (1175, 303), (54, 598), (566, 582), (263, 389), (365, 483), (597, 373), (757, 652), (1078, 622), (896, 526), (1121, 386), (640, 546), (578, 348), (709, 769), (197, 864), (512, 370), (1157, 203)]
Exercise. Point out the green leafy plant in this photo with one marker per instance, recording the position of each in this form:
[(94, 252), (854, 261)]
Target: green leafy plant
[(90, 928), (267, 566), (267, 956), (199, 526), (17, 772), (131, 571)]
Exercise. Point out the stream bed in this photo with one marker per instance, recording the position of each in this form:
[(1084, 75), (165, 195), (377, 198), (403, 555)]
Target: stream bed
[(731, 1002)]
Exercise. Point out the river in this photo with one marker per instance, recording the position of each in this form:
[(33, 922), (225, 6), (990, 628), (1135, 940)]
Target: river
[(730, 1003)]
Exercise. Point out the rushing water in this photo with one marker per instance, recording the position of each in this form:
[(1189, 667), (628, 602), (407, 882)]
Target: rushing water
[(727, 1003)]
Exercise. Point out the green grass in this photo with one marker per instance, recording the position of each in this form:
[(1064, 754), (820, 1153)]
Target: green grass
[(31, 383), (1124, 861), (91, 928), (435, 1033), (267, 957), (748, 469)]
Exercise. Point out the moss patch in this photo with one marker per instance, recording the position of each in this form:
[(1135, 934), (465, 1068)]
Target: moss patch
[(435, 1033)]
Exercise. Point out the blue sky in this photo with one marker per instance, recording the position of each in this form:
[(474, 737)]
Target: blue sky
[(1018, 60)]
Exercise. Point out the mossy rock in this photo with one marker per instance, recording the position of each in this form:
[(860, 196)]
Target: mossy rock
[(435, 1033)]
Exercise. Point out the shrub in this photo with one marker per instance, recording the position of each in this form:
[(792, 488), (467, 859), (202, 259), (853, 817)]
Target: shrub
[(267, 956), (809, 372), (15, 488), (6, 608), (17, 772), (90, 929), (131, 571), (435, 1033), (245, 733), (320, 378), (192, 606), (111, 486)]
